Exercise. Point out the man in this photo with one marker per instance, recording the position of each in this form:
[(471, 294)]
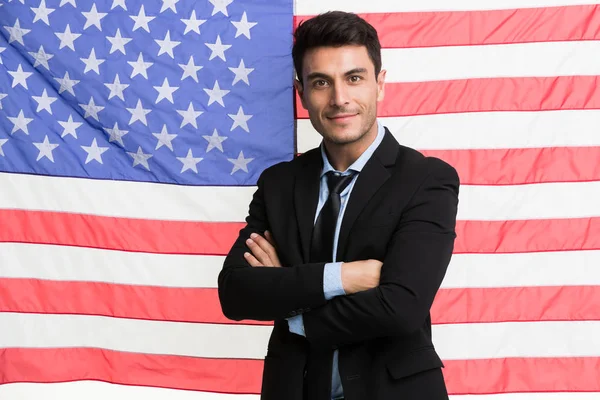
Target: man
[(345, 246)]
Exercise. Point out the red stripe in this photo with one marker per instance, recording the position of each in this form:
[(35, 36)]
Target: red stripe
[(486, 94), (523, 166), (217, 238), (461, 28), (577, 303), (244, 376)]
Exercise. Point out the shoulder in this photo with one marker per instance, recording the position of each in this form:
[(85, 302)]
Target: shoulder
[(286, 169), (424, 168)]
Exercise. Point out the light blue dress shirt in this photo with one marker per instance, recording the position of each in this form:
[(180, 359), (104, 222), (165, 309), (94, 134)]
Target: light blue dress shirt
[(332, 274)]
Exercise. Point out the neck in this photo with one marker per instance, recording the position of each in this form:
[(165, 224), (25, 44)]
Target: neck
[(342, 156)]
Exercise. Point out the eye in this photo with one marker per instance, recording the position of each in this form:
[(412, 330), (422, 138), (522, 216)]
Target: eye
[(355, 78), (319, 83)]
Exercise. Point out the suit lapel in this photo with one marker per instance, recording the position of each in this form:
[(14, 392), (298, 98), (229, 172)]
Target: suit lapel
[(306, 197)]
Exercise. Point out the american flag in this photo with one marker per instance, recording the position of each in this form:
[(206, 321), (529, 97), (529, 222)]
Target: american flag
[(132, 134)]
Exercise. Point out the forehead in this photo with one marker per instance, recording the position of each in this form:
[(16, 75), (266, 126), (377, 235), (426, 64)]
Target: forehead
[(336, 60)]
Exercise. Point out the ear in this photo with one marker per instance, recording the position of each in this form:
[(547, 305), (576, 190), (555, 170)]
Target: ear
[(381, 85), (300, 90)]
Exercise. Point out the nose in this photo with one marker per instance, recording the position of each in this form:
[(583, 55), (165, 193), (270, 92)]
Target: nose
[(339, 96)]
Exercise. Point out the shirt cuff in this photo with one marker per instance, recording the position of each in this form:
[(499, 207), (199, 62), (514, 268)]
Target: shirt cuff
[(332, 280), (296, 325)]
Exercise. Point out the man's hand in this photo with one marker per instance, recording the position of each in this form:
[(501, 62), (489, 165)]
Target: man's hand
[(263, 251), (358, 276)]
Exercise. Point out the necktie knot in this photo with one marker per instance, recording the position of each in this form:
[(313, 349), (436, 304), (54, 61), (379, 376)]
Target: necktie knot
[(337, 182)]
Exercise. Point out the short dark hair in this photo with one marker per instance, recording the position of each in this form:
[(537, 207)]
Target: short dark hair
[(335, 28)]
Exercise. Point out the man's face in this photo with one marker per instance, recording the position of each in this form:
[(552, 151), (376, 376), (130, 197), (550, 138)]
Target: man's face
[(340, 92)]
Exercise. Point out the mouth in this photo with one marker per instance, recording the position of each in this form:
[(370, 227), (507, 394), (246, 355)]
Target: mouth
[(342, 117)]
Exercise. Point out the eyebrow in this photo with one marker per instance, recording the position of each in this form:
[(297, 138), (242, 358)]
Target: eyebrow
[(314, 75)]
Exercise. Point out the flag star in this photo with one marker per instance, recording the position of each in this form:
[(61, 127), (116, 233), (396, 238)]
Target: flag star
[(192, 24), (1, 50), (169, 4), (91, 109), (71, 2), (16, 32), (165, 91), (44, 101), (167, 45), (45, 149), (42, 12), (220, 6), (243, 26), (215, 141), (92, 63), (116, 134), (119, 3), (164, 138), (140, 158), (139, 113), (41, 57), (189, 162), (20, 77), (240, 119), (67, 38), (141, 20), (66, 83), (241, 73), (140, 67), (2, 142), (93, 17), (217, 49), (116, 88), (69, 127), (94, 152), (118, 42), (189, 116), (2, 95), (240, 163), (20, 123), (216, 94), (190, 70)]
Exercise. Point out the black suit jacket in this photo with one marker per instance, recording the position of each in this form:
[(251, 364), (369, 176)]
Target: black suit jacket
[(402, 211)]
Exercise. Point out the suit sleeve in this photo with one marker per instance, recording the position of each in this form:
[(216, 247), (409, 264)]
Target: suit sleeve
[(266, 293), (412, 272)]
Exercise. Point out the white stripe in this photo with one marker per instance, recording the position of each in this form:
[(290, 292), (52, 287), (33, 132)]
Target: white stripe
[(93, 390), (65, 263), (569, 268), (312, 7), (485, 130), (497, 61), (453, 341)]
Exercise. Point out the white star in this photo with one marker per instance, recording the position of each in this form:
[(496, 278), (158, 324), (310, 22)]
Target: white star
[(118, 42), (140, 67), (2, 95), (71, 2), (189, 162), (116, 88), (190, 69), (164, 138), (140, 158), (45, 149), (220, 6), (217, 49), (93, 17), (240, 119), (66, 84), (44, 101), (69, 127), (243, 26), (2, 142), (214, 141), (240, 163), (67, 38), (41, 12), (169, 4), (94, 152), (192, 24), (16, 32), (216, 94), (165, 91), (119, 3), (2, 50), (20, 123), (92, 63), (189, 116), (139, 113), (116, 134), (41, 57), (167, 45), (141, 21), (91, 109), (241, 73), (20, 77)]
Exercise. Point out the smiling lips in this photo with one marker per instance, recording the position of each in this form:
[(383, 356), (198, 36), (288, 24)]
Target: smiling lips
[(342, 117)]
